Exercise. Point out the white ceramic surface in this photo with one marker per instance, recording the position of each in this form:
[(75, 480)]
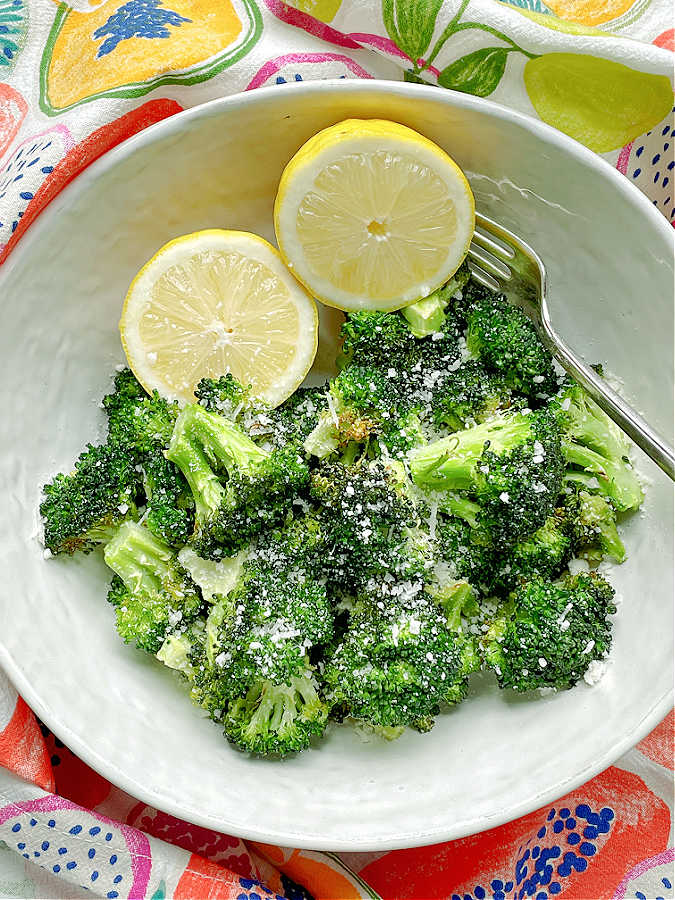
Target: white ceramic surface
[(609, 256)]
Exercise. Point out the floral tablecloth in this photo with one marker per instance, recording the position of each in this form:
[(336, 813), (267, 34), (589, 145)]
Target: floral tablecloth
[(77, 79)]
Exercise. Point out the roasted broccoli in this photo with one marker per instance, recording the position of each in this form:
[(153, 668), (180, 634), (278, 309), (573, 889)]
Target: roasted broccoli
[(258, 487), (252, 671), (365, 514), (151, 592), (590, 522), (359, 550), (396, 666), (506, 341), (428, 315), (596, 451), (141, 425), (511, 464), (470, 396), (358, 405), (277, 719), (228, 397), (548, 633), (83, 509), (136, 420)]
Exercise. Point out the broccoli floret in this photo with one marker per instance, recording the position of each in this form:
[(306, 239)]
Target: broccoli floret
[(252, 671), (470, 395), (150, 591), (384, 341), (465, 555), (376, 339), (171, 508), (359, 404), (548, 633), (227, 397), (457, 599), (364, 511), (276, 610), (126, 389), (138, 421), (591, 524), (505, 340), (260, 484), (542, 555), (390, 379), (83, 509), (428, 315), (596, 451), (512, 465), (292, 421), (142, 425), (395, 666), (286, 424), (277, 719)]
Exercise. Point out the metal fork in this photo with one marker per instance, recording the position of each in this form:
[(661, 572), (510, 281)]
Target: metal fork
[(503, 262)]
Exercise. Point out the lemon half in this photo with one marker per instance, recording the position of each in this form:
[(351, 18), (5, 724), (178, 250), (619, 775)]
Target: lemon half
[(214, 302), (372, 215)]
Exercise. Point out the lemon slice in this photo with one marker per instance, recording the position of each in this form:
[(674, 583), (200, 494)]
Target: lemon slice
[(372, 215), (214, 302)]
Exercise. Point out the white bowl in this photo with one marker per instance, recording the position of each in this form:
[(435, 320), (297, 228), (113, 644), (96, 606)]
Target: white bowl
[(609, 256)]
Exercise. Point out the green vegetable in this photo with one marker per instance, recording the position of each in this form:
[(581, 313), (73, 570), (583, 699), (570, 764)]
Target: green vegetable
[(506, 342), (357, 552), (596, 450), (259, 484), (548, 634), (84, 508), (150, 591), (511, 465)]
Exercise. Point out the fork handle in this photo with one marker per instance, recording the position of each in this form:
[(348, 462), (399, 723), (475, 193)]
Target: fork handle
[(612, 403)]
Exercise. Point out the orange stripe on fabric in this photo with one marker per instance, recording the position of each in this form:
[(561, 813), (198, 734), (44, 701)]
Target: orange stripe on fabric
[(660, 744), (205, 880), (23, 750)]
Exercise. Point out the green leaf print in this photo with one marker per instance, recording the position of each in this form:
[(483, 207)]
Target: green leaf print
[(410, 24), (477, 73)]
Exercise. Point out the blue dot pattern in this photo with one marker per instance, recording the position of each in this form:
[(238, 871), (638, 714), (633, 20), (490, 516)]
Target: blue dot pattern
[(563, 847), (652, 161), (72, 848)]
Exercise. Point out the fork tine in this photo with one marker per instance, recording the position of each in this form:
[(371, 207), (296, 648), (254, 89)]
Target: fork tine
[(484, 278), (487, 240), (489, 263)]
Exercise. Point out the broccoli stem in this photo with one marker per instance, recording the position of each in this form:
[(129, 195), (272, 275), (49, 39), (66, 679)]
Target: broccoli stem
[(600, 516), (459, 506), (140, 559), (175, 653), (456, 599), (590, 426), (427, 315), (322, 440), (614, 478), (224, 443), (451, 461), (351, 453), (205, 485)]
